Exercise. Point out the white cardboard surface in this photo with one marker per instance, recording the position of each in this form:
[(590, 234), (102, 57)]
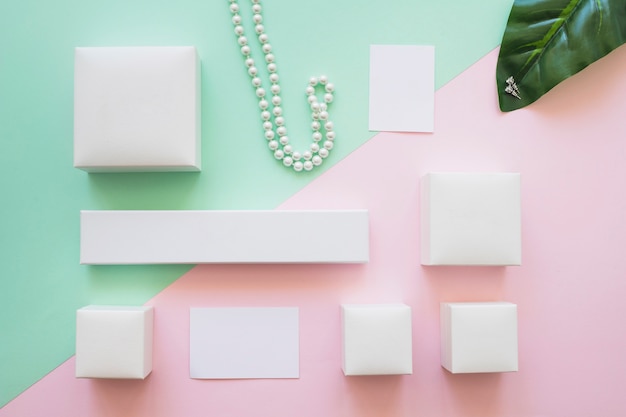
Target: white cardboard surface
[(402, 88), (137, 109), (232, 343), (193, 237), (114, 342), (471, 219), (479, 337), (377, 339)]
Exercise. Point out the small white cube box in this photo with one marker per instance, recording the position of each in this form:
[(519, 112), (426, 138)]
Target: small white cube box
[(114, 342), (137, 109), (479, 337), (377, 339), (471, 219)]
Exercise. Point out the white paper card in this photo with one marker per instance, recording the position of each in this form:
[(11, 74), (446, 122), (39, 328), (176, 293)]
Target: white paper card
[(242, 342), (402, 88)]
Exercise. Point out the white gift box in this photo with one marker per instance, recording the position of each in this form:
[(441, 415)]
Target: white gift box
[(114, 342), (479, 337), (224, 236), (377, 339), (471, 219), (137, 109)]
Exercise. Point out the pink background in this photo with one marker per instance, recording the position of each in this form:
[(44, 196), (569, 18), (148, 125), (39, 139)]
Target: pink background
[(570, 149)]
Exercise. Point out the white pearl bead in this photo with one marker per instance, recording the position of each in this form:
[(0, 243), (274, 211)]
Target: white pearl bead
[(287, 161), (328, 98), (260, 92), (297, 166), (263, 104), (284, 140), (315, 125), (323, 79), (269, 134), (317, 136), (310, 90), (317, 160), (242, 40), (245, 50), (267, 48), (279, 154), (234, 7), (276, 100), (308, 165), (236, 19), (313, 81), (249, 62), (315, 116), (259, 29), (323, 115), (311, 99), (254, 1), (315, 147), (279, 121), (239, 30), (274, 78), (275, 89), (267, 125), (315, 106), (271, 67), (323, 152), (328, 126), (330, 135), (328, 145), (269, 58), (330, 87), (288, 149), (307, 155), (256, 81), (257, 18), (296, 155), (273, 145), (323, 106), (256, 8), (277, 111), (263, 38), (265, 115), (282, 131), (253, 71)]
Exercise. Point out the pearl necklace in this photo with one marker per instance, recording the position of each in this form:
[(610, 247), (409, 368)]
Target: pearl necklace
[(278, 142)]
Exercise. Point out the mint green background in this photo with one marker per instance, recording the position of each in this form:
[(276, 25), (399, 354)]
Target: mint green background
[(41, 281)]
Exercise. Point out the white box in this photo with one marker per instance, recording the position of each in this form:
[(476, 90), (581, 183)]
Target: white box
[(194, 237), (377, 339), (137, 109), (114, 342), (471, 219), (479, 337)]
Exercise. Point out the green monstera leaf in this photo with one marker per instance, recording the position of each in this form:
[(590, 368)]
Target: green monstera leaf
[(547, 41)]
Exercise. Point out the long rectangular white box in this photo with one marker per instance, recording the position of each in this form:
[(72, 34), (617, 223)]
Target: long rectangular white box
[(194, 237)]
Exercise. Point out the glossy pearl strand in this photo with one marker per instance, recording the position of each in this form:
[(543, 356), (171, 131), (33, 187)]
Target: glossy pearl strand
[(271, 110)]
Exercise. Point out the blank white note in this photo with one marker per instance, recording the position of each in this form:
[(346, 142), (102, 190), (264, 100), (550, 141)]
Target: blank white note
[(241, 342), (402, 88)]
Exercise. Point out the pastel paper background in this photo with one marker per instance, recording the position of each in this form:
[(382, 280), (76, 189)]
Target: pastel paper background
[(568, 147), (569, 290)]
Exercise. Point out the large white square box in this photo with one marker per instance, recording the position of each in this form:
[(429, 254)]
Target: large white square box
[(114, 342), (471, 219), (479, 337), (377, 339), (137, 109)]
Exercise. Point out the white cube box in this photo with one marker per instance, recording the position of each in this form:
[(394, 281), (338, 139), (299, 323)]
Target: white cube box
[(114, 342), (377, 339), (137, 109), (471, 219), (479, 337)]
